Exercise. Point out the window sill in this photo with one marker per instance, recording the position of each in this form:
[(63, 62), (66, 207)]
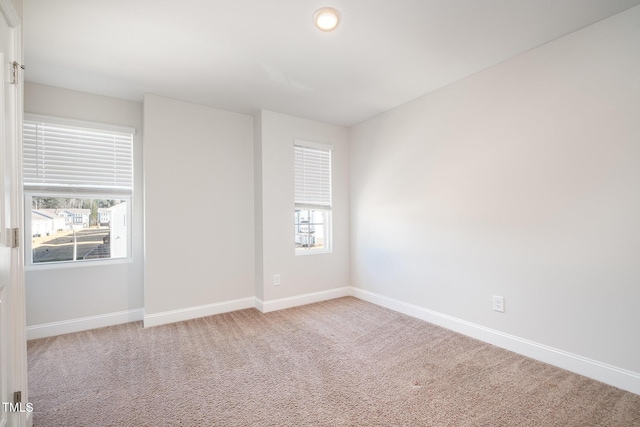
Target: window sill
[(77, 264), (306, 253)]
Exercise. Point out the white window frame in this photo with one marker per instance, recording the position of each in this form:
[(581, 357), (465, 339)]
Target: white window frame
[(324, 206), (32, 190)]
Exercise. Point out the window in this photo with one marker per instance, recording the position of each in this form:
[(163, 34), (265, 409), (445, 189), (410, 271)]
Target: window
[(78, 185), (312, 216)]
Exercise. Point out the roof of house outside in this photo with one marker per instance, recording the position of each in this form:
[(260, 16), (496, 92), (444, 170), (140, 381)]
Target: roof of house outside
[(76, 211), (41, 215), (119, 205)]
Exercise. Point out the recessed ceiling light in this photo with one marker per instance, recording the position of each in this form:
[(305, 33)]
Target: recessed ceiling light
[(326, 18)]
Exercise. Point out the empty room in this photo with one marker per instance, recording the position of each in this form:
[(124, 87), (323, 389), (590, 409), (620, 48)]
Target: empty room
[(309, 213)]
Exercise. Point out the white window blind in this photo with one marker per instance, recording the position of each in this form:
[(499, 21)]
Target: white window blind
[(312, 176), (79, 158)]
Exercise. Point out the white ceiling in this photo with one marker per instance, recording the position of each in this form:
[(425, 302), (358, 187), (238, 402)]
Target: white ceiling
[(243, 55)]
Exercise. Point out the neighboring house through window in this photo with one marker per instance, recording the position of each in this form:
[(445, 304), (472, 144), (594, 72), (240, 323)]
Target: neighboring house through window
[(312, 216), (78, 186)]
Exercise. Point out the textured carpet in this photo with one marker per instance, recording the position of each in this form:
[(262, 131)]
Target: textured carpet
[(343, 362)]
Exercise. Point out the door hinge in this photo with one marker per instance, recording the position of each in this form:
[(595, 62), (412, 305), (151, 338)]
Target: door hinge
[(15, 70), (13, 237), (17, 397)]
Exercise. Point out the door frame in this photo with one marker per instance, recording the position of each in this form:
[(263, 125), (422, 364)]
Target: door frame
[(17, 352)]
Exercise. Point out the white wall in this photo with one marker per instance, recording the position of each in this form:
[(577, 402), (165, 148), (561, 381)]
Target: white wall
[(520, 181), (308, 273), (60, 294), (199, 222)]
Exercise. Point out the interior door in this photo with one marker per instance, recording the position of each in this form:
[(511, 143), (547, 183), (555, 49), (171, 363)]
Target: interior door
[(14, 411)]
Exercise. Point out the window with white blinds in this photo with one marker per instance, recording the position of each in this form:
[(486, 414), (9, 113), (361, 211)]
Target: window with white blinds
[(312, 214), (63, 156), (78, 188), (312, 175)]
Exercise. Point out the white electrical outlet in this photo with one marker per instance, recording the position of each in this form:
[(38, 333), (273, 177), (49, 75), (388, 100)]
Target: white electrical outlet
[(498, 303), (276, 280)]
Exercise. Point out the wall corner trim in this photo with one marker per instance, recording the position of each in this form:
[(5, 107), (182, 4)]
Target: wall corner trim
[(83, 324), (608, 374)]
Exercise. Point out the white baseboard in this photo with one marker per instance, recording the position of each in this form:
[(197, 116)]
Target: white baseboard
[(282, 303), (83, 324), (608, 374), (189, 313), (162, 318)]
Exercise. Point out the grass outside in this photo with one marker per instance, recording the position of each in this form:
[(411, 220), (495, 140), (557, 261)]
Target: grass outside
[(59, 247)]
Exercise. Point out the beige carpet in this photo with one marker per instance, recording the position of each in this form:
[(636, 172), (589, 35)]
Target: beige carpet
[(343, 362)]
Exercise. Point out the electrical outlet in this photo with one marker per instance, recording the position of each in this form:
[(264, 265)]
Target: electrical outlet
[(498, 303), (276, 280)]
